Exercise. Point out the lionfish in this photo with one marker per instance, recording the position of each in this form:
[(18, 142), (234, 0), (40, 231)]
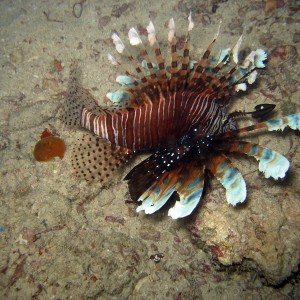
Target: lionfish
[(179, 116)]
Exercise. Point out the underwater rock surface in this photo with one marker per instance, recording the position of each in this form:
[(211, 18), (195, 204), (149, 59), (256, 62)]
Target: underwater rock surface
[(63, 238)]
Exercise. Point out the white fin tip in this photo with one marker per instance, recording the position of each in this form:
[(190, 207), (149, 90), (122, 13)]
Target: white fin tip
[(235, 50), (134, 37), (171, 33), (191, 23), (151, 33), (112, 60), (118, 43), (218, 32)]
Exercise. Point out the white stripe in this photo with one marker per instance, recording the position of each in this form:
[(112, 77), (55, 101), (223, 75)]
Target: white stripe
[(133, 131), (139, 127), (96, 125), (145, 118), (149, 128), (114, 127), (124, 134)]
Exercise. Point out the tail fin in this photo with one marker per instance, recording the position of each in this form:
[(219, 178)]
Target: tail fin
[(77, 98), (95, 159)]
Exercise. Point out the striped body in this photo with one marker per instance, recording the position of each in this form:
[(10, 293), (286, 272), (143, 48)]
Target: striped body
[(158, 122), (179, 117)]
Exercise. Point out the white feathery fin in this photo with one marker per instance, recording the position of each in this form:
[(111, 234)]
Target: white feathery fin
[(135, 40), (95, 159), (203, 62), (118, 42), (116, 63), (235, 50), (172, 41), (218, 32), (159, 59), (184, 72), (76, 98), (134, 37), (120, 47), (112, 60), (252, 77), (151, 33), (191, 23), (171, 34)]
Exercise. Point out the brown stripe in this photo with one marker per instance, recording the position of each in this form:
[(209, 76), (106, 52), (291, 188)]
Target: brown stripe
[(119, 128), (154, 121), (206, 54), (129, 128), (157, 52), (91, 121)]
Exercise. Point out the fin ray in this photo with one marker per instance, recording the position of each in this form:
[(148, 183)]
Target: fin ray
[(271, 163), (229, 176), (95, 159)]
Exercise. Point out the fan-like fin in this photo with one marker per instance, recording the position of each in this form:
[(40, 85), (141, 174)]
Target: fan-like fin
[(215, 83), (241, 75), (203, 62), (184, 72), (160, 191), (291, 121), (229, 176), (120, 47), (142, 176), (94, 158), (174, 65), (135, 40), (154, 44), (190, 191), (77, 97), (271, 163), (186, 179), (132, 80)]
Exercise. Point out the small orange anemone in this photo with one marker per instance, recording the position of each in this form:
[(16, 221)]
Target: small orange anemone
[(48, 148)]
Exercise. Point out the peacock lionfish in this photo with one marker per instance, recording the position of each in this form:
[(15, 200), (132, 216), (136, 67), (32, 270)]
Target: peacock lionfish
[(178, 115)]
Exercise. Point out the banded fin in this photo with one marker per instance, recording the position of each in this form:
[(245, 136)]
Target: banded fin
[(94, 158), (229, 176), (159, 192), (184, 71), (160, 76), (135, 40), (291, 121), (271, 163), (125, 95), (190, 191), (186, 179), (132, 80), (120, 47), (241, 75), (142, 176), (174, 64), (154, 44), (76, 98), (203, 62), (79, 98), (119, 96)]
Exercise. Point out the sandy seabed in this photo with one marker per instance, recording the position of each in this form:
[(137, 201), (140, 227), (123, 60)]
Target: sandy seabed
[(65, 239)]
